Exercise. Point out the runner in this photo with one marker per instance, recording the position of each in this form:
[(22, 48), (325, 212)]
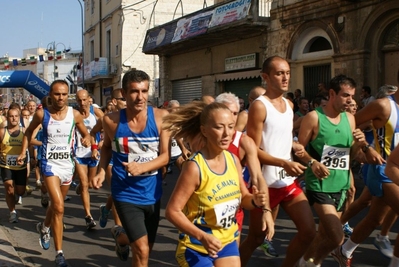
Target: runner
[(58, 122)]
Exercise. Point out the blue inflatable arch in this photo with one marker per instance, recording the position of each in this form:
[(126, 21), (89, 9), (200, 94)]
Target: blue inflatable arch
[(26, 79)]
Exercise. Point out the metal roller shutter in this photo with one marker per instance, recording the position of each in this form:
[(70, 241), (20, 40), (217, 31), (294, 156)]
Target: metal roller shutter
[(185, 91), (241, 88)]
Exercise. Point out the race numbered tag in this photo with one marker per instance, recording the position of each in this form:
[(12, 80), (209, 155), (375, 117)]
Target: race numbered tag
[(226, 213), (12, 160), (396, 136), (174, 143), (335, 158), (58, 152), (143, 158)]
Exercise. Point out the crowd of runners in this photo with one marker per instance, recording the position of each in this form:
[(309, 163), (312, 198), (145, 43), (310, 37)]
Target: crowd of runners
[(282, 150)]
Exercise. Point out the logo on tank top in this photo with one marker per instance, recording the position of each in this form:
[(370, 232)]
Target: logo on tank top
[(337, 131), (143, 147), (58, 130)]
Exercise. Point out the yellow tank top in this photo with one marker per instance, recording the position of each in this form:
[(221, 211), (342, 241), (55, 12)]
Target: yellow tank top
[(213, 207), (10, 149)]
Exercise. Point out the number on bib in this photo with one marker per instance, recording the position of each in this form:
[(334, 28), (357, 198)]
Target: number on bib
[(335, 158), (226, 213)]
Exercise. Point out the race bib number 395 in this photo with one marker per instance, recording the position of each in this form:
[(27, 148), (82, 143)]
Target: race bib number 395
[(335, 158), (12, 160)]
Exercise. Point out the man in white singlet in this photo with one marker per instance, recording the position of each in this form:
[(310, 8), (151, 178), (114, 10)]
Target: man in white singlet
[(57, 165), (270, 123)]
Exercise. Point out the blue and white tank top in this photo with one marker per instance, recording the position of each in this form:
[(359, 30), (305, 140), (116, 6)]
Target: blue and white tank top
[(128, 146), (58, 139)]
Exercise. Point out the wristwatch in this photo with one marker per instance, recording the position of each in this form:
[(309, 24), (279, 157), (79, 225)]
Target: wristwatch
[(310, 163), (365, 148)]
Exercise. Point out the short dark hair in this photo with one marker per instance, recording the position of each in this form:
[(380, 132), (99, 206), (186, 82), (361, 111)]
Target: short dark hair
[(302, 98), (339, 80), (317, 100), (134, 76), (298, 90), (57, 82), (266, 67), (290, 94), (367, 89)]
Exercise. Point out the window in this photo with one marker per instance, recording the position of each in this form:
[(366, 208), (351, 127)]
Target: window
[(313, 75), (317, 44), (116, 50)]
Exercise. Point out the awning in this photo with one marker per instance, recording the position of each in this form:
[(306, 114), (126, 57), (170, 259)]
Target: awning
[(238, 75)]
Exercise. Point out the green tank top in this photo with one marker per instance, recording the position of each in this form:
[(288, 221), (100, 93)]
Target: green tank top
[(332, 148)]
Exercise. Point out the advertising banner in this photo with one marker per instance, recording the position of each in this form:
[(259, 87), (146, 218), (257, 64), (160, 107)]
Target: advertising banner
[(230, 12)]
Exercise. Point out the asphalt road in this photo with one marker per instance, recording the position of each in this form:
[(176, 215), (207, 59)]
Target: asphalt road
[(96, 247)]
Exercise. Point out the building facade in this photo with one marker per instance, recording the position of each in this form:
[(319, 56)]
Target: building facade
[(114, 33), (319, 38)]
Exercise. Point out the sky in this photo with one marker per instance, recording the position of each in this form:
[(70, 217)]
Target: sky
[(29, 24)]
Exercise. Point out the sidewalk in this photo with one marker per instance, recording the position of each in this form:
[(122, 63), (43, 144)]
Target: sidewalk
[(8, 256)]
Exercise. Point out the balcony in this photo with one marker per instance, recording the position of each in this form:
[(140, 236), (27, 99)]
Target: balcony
[(215, 25)]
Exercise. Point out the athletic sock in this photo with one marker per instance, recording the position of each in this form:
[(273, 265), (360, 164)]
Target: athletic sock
[(348, 248)]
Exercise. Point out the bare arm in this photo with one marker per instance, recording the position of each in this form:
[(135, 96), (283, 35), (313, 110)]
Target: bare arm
[(242, 121), (106, 152)]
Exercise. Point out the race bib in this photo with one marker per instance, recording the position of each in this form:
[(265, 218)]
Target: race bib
[(335, 158), (174, 143), (12, 160), (58, 152), (226, 213), (143, 158)]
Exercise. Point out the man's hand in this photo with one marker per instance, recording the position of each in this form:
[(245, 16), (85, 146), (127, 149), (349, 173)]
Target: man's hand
[(97, 181), (86, 142), (299, 149), (95, 155), (320, 170), (358, 137), (293, 168), (373, 157), (133, 168)]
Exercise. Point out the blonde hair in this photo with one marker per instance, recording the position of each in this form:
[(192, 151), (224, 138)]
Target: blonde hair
[(186, 122)]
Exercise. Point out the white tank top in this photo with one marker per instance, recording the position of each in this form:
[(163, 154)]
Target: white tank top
[(277, 141), (80, 150)]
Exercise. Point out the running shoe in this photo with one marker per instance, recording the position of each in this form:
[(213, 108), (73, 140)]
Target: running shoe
[(384, 246), (268, 248), (104, 213), (347, 229), (44, 239), (121, 251), (90, 223), (28, 190), (44, 200), (341, 259), (13, 217), (60, 260)]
